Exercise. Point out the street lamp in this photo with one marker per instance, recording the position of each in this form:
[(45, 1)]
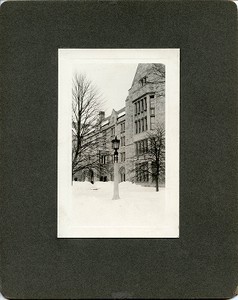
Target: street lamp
[(115, 147)]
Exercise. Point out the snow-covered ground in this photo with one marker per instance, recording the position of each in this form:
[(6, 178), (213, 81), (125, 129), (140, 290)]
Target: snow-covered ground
[(88, 211), (93, 213)]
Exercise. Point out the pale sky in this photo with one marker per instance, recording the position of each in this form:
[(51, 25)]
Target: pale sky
[(112, 79)]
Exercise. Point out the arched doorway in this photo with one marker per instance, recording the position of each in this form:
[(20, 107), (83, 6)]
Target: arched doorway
[(122, 174), (91, 176)]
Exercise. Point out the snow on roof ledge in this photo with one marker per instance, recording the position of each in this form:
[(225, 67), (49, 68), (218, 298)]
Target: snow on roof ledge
[(121, 114), (105, 122)]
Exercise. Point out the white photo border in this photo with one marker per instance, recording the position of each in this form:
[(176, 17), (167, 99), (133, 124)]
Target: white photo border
[(66, 60)]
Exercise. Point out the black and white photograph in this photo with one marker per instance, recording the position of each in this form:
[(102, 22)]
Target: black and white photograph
[(118, 143)]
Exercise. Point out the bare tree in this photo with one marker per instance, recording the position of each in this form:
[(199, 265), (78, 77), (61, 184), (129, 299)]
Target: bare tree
[(150, 157), (156, 153), (86, 137), (157, 77), (159, 71)]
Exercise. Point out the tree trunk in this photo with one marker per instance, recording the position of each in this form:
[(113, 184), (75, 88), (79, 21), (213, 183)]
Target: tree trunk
[(157, 175), (157, 183)]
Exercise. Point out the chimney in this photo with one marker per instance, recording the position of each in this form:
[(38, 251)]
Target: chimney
[(101, 116)]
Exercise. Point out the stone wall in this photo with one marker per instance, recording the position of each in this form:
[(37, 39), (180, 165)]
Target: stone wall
[(154, 84)]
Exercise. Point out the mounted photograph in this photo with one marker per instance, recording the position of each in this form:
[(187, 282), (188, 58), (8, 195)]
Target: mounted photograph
[(118, 143)]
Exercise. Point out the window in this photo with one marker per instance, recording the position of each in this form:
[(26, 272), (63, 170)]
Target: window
[(141, 147), (123, 177), (152, 100), (143, 81), (123, 156), (152, 111), (103, 159), (123, 141), (112, 131), (152, 122), (123, 127), (142, 125), (152, 105), (145, 104), (142, 105)]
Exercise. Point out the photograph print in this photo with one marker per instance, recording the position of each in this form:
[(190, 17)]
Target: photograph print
[(118, 143)]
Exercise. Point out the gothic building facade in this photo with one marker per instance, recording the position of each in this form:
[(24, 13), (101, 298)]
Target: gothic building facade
[(144, 110)]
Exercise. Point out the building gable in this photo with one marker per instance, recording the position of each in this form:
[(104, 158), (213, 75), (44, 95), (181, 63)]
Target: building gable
[(144, 71), (113, 117)]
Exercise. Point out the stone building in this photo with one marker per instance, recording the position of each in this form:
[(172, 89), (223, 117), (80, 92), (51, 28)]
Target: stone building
[(144, 110)]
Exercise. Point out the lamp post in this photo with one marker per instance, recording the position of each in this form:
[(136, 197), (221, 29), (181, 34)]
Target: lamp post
[(115, 147)]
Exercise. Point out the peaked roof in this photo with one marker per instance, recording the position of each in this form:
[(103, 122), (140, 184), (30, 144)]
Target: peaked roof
[(140, 71), (117, 113)]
